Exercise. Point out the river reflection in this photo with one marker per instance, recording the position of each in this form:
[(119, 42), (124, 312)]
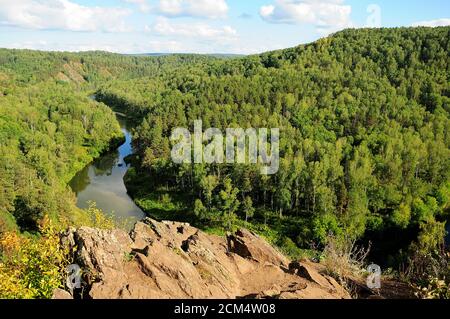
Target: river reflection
[(102, 182)]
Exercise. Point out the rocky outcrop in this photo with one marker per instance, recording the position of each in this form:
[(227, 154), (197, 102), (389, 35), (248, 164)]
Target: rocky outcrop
[(250, 246), (174, 260), (60, 294)]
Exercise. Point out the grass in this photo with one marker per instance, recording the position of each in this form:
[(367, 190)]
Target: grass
[(165, 205), (162, 205), (343, 259)]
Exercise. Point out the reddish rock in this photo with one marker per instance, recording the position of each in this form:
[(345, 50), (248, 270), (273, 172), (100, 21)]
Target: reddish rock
[(249, 245), (60, 294), (174, 260)]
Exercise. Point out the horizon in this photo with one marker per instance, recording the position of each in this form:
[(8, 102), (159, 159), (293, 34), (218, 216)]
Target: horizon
[(225, 27), (237, 55), (302, 153)]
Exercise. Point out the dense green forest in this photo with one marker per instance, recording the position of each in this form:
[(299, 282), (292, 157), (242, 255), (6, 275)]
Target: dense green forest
[(50, 128), (364, 121)]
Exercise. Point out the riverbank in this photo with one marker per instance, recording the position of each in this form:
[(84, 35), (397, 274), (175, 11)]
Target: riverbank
[(101, 183)]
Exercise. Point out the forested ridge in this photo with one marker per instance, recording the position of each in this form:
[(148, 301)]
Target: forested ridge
[(364, 120), (50, 128)]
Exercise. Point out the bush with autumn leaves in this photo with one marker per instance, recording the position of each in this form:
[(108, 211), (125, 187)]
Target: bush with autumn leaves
[(31, 266)]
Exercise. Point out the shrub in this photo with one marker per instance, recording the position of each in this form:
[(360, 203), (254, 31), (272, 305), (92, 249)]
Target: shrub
[(434, 289), (343, 259), (290, 249), (427, 258), (98, 219), (32, 267)]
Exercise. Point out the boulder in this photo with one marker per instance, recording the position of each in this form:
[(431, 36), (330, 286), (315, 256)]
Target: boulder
[(175, 260), (60, 294), (249, 245), (306, 271)]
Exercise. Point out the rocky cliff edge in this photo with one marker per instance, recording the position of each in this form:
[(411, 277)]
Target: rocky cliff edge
[(174, 260)]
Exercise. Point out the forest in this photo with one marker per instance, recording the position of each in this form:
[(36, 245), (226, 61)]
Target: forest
[(364, 117)]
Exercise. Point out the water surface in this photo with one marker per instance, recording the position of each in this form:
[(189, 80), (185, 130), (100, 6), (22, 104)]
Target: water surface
[(102, 181)]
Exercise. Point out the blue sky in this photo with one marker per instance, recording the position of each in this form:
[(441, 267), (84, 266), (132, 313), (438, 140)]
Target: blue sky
[(199, 26)]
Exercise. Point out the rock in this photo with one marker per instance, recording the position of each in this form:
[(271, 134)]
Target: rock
[(249, 245), (102, 250), (175, 260), (306, 271), (338, 288), (61, 294)]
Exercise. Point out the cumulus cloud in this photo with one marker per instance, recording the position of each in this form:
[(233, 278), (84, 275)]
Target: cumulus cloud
[(432, 23), (128, 47), (158, 45), (61, 15), (212, 9), (165, 27), (143, 5), (326, 15), (58, 46)]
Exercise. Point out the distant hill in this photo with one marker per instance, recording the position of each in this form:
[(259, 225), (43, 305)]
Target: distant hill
[(364, 121), (216, 55)]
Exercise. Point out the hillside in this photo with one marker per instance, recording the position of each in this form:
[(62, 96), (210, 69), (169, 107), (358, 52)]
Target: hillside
[(364, 119), (364, 147)]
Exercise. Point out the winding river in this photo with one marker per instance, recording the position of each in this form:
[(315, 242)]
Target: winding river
[(102, 181)]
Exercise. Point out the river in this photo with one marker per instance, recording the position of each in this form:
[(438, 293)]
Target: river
[(102, 182)]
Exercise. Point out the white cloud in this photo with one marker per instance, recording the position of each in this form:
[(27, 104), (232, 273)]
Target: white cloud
[(135, 46), (326, 15), (58, 46), (212, 9), (151, 46), (165, 27), (432, 23), (143, 5), (61, 15)]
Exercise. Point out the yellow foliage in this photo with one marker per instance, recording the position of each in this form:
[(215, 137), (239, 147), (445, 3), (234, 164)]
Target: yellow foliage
[(98, 219), (32, 267)]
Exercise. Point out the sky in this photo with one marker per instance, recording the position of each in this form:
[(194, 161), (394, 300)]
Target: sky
[(199, 26)]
